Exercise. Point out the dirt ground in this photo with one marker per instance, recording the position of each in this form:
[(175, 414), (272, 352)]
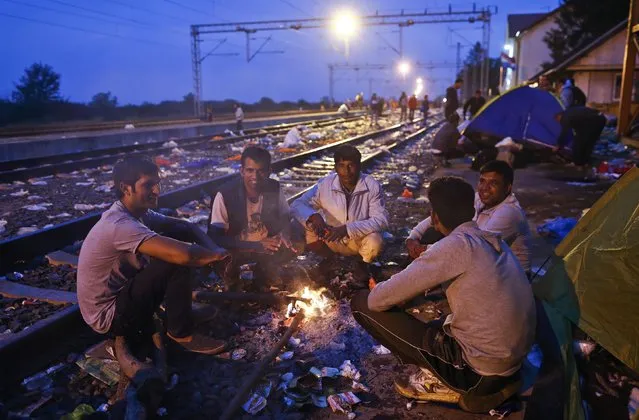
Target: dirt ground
[(206, 384)]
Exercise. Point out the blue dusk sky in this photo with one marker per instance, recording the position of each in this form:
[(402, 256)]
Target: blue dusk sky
[(140, 49)]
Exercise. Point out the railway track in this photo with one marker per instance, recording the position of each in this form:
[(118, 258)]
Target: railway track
[(65, 128), (24, 169), (72, 189), (296, 173)]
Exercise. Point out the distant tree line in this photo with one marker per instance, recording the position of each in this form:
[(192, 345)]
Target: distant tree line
[(37, 99)]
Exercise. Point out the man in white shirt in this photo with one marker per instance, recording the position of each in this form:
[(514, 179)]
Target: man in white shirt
[(239, 118), (250, 216), (344, 212), (496, 210)]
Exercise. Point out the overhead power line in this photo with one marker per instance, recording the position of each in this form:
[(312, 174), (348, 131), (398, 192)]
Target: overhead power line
[(99, 12), (90, 31), (131, 6), (64, 12)]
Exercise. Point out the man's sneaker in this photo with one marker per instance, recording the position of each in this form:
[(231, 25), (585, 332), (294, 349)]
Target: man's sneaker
[(423, 386), (504, 389), (197, 343)]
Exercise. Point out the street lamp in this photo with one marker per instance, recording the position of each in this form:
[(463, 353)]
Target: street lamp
[(345, 25), (404, 68), (420, 86)]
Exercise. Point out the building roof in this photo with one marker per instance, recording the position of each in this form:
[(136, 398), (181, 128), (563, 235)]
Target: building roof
[(585, 50), (524, 21)]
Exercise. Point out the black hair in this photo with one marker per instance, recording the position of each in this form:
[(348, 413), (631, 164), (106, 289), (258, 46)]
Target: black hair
[(459, 80), (453, 118), (478, 91), (130, 169), (453, 200), (347, 152), (257, 154), (500, 167)]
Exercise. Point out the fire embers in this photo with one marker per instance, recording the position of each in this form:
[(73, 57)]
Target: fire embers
[(315, 303)]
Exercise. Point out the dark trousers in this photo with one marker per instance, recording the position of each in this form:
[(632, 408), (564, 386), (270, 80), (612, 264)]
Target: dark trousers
[(411, 114), (141, 296), (238, 125), (414, 342), (426, 345), (266, 268), (586, 137)]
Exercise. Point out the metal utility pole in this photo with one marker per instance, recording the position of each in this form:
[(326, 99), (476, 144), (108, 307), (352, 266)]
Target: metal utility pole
[(330, 84), (399, 19), (458, 66), (196, 61), (627, 77), (486, 56)]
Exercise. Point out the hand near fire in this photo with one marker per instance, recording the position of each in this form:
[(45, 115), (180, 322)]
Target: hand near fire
[(336, 233), (415, 249), (271, 244), (317, 224), (371, 283)]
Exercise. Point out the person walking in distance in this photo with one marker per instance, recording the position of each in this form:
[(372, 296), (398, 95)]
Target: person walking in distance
[(239, 119), (452, 100)]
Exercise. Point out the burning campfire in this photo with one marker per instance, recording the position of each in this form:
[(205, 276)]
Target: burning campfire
[(315, 303)]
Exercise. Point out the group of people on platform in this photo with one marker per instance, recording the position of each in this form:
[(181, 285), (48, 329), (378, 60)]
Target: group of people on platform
[(475, 247)]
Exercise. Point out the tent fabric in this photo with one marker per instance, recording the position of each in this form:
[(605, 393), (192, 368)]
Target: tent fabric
[(522, 113), (593, 282)]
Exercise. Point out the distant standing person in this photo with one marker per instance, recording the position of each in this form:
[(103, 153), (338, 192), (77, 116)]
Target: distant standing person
[(424, 108), (446, 139), (578, 95), (412, 106), (587, 124), (374, 106), (474, 104), (239, 118), (566, 93), (403, 104), (452, 100)]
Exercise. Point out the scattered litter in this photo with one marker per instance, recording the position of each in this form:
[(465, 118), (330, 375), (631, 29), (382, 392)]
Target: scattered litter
[(104, 370), (26, 229), (407, 193), (557, 228), (162, 411), (104, 187), (34, 197), (238, 354), (257, 401), (129, 127), (342, 402), (170, 143), (173, 382), (37, 207), (358, 386), (348, 370), (38, 183), (287, 355), (292, 138), (103, 408), (579, 184), (412, 168), (79, 413), (380, 349), (583, 348), (83, 207), (319, 401), (42, 380), (84, 184), (20, 193), (293, 342), (329, 372), (183, 181), (500, 414)]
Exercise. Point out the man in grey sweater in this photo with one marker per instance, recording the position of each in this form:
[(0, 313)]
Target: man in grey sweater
[(474, 355)]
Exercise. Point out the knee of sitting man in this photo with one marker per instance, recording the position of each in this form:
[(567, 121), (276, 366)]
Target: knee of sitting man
[(372, 245)]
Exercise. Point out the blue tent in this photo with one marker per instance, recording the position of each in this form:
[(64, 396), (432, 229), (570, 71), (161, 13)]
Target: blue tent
[(523, 113)]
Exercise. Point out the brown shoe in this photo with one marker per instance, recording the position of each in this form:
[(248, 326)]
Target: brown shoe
[(197, 343)]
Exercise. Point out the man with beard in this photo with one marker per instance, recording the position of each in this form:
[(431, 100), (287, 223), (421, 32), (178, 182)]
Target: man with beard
[(344, 213), (496, 210), (250, 218), (127, 268)]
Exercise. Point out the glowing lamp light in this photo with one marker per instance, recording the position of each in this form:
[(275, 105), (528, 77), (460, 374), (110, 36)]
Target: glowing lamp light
[(403, 68), (345, 23), (420, 81)]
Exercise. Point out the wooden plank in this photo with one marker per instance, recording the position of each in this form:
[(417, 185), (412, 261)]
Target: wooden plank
[(16, 290), (62, 258)]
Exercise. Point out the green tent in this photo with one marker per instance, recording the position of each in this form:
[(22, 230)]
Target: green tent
[(594, 283)]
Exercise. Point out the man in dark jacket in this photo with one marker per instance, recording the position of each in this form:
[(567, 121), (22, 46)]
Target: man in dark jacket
[(250, 216), (587, 124), (452, 101), (474, 104)]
